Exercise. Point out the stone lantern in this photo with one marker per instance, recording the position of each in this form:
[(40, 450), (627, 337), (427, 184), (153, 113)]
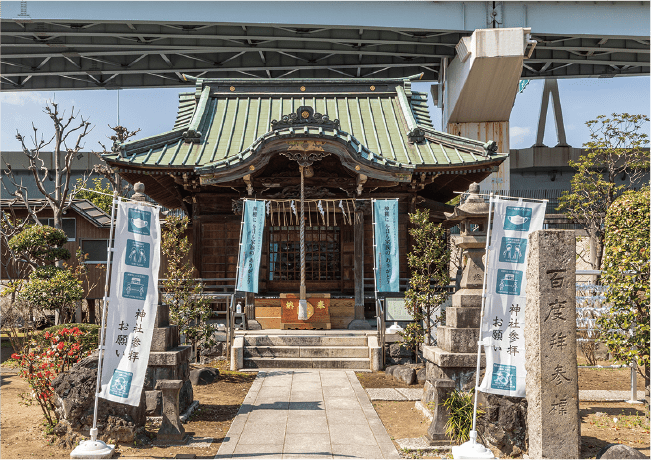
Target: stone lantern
[(452, 363)]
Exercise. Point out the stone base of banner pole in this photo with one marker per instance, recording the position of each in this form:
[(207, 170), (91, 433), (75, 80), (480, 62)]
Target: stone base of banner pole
[(93, 448)]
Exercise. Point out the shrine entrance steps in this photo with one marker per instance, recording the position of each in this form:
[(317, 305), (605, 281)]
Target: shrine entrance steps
[(282, 349)]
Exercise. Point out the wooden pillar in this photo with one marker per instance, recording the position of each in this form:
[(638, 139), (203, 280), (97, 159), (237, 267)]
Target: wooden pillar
[(359, 264), (196, 245), (250, 305), (91, 311)]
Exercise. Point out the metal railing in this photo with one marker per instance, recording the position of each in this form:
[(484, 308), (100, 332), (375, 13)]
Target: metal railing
[(590, 304)]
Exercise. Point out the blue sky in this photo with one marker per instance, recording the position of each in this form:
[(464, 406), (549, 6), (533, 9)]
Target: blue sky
[(154, 110)]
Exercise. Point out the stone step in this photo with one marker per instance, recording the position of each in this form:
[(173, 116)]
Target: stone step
[(305, 340), (303, 363), (305, 352)]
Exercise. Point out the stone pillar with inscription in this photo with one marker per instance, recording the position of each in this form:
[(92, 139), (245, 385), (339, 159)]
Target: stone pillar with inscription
[(550, 346)]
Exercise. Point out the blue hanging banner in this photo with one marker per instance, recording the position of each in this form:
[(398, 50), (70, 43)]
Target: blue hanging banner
[(251, 245), (387, 268)]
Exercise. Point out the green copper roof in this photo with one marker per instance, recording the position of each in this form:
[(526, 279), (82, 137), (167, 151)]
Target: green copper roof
[(224, 122)]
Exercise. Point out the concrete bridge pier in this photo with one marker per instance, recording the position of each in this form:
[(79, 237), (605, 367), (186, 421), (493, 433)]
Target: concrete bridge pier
[(479, 89)]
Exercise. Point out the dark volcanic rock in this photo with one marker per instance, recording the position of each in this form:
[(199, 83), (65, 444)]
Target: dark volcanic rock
[(75, 399), (204, 376), (504, 425)]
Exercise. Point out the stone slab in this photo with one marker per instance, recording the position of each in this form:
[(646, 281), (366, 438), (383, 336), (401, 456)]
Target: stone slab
[(607, 395), (164, 338), (385, 394), (466, 298), (169, 384), (419, 444), (333, 352), (444, 358), (462, 316), (307, 363), (306, 340), (457, 340), (360, 435), (412, 394), (271, 352), (199, 442), (172, 357), (310, 430)]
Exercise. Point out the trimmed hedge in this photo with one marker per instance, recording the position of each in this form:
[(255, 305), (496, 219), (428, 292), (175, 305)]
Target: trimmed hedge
[(626, 273)]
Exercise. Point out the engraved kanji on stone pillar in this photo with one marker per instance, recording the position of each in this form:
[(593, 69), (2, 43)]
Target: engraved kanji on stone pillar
[(550, 346)]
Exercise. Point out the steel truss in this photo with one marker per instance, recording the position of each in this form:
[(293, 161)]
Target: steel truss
[(55, 55)]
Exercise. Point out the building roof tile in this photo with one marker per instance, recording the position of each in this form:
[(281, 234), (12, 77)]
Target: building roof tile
[(224, 122)]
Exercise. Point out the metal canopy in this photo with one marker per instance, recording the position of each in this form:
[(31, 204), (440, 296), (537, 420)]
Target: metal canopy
[(49, 54)]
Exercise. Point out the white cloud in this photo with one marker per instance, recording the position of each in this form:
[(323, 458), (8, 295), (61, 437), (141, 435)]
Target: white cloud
[(22, 98), (518, 136)]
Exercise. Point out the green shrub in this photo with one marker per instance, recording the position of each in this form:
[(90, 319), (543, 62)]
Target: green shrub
[(460, 406), (40, 244), (625, 327), (89, 342)]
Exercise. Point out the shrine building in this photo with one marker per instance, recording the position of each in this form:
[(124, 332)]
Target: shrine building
[(348, 140)]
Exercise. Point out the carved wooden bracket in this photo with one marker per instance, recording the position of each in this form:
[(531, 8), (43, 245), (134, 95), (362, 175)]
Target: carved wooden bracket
[(294, 191), (361, 180), (363, 206), (249, 184), (237, 206), (305, 158)]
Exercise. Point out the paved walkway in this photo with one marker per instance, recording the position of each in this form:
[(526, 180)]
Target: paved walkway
[(307, 414)]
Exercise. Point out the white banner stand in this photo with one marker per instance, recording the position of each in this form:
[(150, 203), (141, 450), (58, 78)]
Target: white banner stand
[(94, 448)]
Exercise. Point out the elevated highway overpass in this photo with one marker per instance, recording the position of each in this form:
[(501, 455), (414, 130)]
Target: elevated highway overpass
[(62, 45)]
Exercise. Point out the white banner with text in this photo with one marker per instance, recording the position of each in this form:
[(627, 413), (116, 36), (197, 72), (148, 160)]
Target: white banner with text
[(132, 303), (502, 328)]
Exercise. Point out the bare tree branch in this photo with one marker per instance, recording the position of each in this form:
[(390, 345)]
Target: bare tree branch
[(120, 136)]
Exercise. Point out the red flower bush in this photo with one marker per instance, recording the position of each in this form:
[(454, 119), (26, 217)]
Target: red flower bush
[(43, 360)]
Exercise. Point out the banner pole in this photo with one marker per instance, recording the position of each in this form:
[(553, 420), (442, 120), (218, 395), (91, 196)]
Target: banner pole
[(378, 303), (109, 252), (93, 448), (229, 319), (473, 434)]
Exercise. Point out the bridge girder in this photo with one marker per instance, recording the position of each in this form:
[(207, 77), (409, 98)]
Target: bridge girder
[(56, 54)]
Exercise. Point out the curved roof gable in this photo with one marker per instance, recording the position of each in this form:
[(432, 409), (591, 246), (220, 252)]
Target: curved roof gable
[(225, 122)]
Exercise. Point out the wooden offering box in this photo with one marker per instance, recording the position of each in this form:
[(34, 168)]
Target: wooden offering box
[(318, 312)]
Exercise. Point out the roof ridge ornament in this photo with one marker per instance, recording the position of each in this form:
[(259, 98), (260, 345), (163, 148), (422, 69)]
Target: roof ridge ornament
[(490, 148), (305, 115), (416, 135)]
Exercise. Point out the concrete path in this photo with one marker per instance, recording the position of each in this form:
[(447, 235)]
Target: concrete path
[(307, 413)]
